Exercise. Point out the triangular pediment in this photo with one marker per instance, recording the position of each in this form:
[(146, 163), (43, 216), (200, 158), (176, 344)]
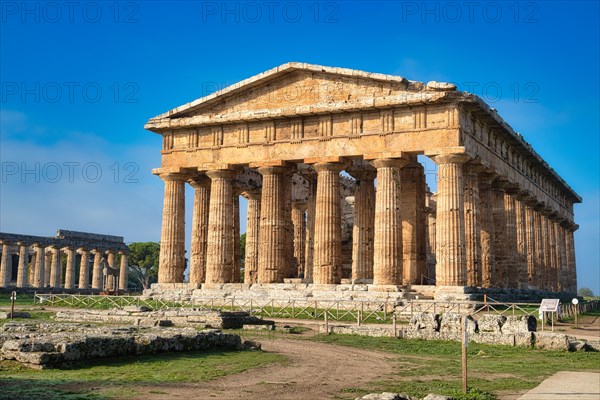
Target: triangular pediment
[(295, 85)]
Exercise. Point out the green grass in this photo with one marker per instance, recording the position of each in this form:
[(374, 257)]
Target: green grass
[(21, 300), (117, 378), (435, 366)]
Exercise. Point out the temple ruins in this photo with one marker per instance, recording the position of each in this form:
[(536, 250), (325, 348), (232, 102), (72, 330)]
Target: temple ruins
[(328, 161)]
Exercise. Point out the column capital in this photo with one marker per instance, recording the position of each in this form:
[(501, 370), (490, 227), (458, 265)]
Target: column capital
[(451, 158), (221, 173), (362, 174), (82, 250), (273, 170), (199, 181), (475, 167), (252, 194), (390, 163), (501, 183), (174, 176), (329, 166), (300, 204)]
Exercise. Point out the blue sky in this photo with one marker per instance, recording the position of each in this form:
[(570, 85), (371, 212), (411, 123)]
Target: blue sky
[(80, 80)]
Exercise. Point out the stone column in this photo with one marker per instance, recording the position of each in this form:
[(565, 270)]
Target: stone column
[(472, 225), (553, 279), (431, 227), (70, 268), (48, 269), (510, 237), (199, 240), (364, 226), (172, 237), (252, 234), (562, 257), (310, 228), (291, 266), (55, 268), (97, 274), (328, 225), (546, 262), (500, 246), (237, 261), (5, 266), (220, 249), (530, 243), (272, 229), (110, 279), (387, 247), (40, 259), (84, 270), (299, 222), (451, 269), (541, 245), (22, 273), (487, 230), (123, 271), (521, 255), (412, 203), (570, 246)]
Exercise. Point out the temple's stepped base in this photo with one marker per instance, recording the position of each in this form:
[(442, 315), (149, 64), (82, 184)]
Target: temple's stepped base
[(140, 316), (47, 345)]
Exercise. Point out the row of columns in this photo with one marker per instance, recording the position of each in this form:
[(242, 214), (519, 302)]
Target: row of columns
[(45, 268), (483, 231)]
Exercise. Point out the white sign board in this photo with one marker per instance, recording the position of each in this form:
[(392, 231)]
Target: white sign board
[(549, 305), (575, 301)]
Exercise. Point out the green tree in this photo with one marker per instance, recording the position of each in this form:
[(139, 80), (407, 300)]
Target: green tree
[(143, 263), (585, 292)]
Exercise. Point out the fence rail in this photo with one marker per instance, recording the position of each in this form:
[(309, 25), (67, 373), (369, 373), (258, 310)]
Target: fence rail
[(383, 311)]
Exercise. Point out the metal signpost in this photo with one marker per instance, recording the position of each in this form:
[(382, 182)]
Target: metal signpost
[(13, 297), (551, 306), (575, 301)]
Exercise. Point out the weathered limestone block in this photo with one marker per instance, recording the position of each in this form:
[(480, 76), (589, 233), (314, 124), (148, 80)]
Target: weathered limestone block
[(552, 341), (453, 322), (491, 323), (428, 321), (361, 330), (519, 324), (432, 396), (493, 338), (386, 396), (16, 314)]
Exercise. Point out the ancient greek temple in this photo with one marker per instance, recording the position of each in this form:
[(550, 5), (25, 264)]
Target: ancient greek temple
[(37, 261), (328, 160)]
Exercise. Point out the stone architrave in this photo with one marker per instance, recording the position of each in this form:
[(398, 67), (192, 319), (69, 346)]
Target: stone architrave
[(220, 249), (328, 225), (84, 269), (22, 273), (387, 246), (252, 234), (364, 226), (487, 232), (172, 237), (299, 222), (199, 240), (70, 268), (451, 269)]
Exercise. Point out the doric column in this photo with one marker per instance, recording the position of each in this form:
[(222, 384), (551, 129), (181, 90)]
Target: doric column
[(97, 274), (487, 230), (541, 244), (546, 261), (123, 271), (510, 237), (387, 246), (562, 257), (110, 279), (84, 269), (431, 225), (237, 261), (291, 266), (530, 243), (299, 222), (199, 240), (412, 202), (272, 230), (570, 249), (220, 248), (450, 231), (172, 237), (252, 234), (328, 225), (31, 269), (70, 268), (500, 246), (40, 260), (472, 224), (48, 269), (5, 266), (554, 266), (364, 225), (310, 227), (521, 255), (55, 268), (22, 273)]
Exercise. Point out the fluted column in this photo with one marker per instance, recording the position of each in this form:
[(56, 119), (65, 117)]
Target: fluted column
[(55, 268), (387, 246), (562, 257), (272, 231), (451, 267), (31, 269), (123, 271), (84, 269), (541, 245), (252, 234), (412, 202), (291, 266), (310, 228), (431, 228), (40, 260), (571, 264), (47, 270), (472, 225), (221, 241), (510, 237), (5, 266), (110, 278), (364, 226), (553, 281), (487, 230), (172, 237), (530, 243), (22, 273), (199, 239), (521, 255), (328, 225), (500, 246), (299, 222), (237, 261), (70, 267), (97, 274)]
